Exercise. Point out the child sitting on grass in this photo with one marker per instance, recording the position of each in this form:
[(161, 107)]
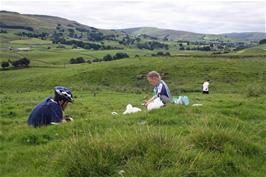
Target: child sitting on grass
[(162, 95), (51, 110)]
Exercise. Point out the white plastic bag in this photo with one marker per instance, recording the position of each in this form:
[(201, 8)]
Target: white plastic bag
[(155, 104), (130, 109)]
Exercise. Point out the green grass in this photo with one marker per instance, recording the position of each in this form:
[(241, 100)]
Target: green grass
[(258, 50), (31, 41), (212, 140), (224, 137), (182, 75)]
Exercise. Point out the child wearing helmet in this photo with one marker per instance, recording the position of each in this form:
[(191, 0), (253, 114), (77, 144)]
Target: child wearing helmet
[(51, 110)]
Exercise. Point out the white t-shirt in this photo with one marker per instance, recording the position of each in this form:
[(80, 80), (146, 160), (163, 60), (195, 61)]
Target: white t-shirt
[(205, 86)]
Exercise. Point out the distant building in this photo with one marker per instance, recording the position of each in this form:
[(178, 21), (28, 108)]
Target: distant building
[(23, 49)]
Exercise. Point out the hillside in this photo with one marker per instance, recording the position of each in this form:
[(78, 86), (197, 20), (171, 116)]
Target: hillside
[(224, 137), (184, 35), (164, 33), (53, 28), (68, 33), (258, 50), (246, 36), (15, 26), (35, 22), (38, 22)]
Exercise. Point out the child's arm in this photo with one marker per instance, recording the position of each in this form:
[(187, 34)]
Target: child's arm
[(150, 100), (159, 89)]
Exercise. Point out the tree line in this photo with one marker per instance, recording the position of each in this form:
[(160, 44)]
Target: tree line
[(20, 63), (107, 57), (42, 35), (29, 28)]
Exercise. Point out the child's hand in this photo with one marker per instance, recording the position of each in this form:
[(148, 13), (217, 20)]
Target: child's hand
[(146, 103), (68, 118)]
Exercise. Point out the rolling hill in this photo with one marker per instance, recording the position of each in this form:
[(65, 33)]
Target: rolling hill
[(258, 50), (52, 27), (50, 23), (40, 22), (225, 136), (164, 33), (256, 36), (185, 35)]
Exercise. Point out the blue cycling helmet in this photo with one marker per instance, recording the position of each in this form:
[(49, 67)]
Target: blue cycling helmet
[(63, 93)]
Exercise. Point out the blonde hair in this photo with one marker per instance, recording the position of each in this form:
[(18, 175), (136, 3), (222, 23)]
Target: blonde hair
[(153, 74)]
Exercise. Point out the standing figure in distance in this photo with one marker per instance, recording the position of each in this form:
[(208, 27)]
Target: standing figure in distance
[(205, 87)]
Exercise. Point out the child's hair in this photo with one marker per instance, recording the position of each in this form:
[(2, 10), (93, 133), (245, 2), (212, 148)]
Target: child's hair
[(153, 74)]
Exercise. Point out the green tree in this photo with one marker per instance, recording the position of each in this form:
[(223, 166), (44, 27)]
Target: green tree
[(5, 65)]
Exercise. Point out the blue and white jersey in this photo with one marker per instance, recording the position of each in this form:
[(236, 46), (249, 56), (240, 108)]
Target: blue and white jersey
[(161, 89), (45, 113)]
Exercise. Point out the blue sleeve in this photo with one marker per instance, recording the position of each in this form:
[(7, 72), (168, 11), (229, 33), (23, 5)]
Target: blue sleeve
[(56, 114)]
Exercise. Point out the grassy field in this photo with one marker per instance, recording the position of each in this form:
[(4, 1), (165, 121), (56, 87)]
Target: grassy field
[(224, 137), (254, 50)]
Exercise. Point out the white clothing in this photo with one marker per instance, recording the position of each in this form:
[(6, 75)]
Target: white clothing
[(205, 86), (155, 104)]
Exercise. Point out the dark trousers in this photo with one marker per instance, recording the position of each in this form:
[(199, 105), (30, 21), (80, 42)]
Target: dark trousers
[(165, 99)]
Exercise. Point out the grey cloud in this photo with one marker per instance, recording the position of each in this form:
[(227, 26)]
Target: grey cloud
[(196, 16)]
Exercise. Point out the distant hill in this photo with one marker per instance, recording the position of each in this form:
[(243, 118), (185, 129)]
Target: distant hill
[(184, 35), (15, 26), (35, 21), (58, 30), (50, 23), (42, 22), (164, 33), (258, 50), (246, 35)]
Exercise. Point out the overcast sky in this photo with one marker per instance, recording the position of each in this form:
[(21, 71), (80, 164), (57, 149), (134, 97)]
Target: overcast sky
[(202, 16)]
